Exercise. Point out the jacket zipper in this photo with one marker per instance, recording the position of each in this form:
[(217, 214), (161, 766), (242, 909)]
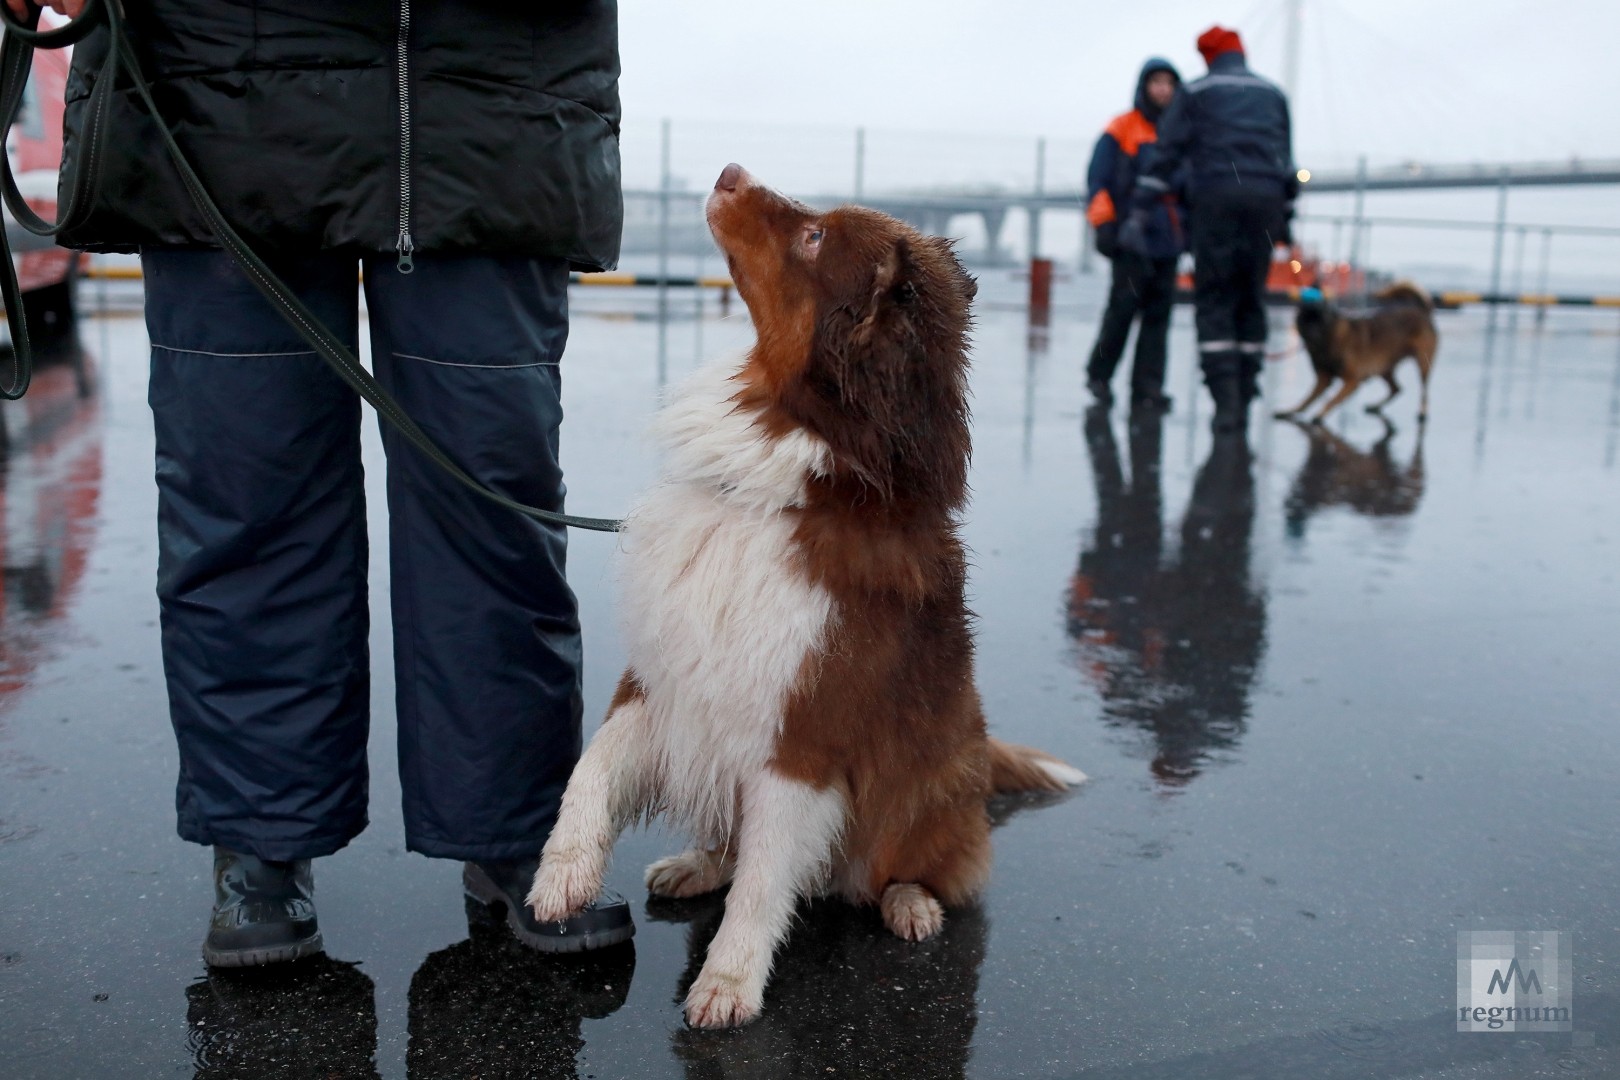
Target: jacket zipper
[(404, 245)]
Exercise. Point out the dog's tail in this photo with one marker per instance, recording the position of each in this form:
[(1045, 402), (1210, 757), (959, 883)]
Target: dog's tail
[(1405, 292), (1023, 768)]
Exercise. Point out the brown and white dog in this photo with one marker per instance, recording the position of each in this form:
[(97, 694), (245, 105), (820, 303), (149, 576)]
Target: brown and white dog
[(800, 692)]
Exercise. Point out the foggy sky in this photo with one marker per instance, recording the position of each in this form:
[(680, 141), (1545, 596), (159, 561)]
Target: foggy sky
[(1441, 80), (955, 92)]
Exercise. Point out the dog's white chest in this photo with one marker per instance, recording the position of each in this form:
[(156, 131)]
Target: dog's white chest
[(719, 617)]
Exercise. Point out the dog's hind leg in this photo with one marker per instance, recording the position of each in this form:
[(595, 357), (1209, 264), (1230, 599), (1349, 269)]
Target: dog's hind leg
[(1322, 383), (1350, 386), (1394, 389), (784, 845), (911, 911), (603, 795), (693, 872), (1425, 359), (957, 838)]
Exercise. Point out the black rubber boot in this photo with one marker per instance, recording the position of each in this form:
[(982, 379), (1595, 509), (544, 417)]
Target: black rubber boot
[(264, 912), (605, 921), (1231, 406), (1102, 395)]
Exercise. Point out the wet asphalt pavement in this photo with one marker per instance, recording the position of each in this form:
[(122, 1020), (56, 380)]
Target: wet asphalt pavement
[(1343, 693)]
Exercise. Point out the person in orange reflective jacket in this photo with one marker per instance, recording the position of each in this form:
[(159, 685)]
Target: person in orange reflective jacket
[(1144, 254)]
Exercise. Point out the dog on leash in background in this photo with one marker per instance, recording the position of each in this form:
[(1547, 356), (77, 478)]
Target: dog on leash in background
[(800, 692), (1355, 348)]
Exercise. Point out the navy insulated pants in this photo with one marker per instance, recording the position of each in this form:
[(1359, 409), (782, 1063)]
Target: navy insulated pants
[(262, 554), (1233, 232)]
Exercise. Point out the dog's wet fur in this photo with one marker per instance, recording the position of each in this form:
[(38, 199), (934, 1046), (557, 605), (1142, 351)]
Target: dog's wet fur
[(800, 694), (1353, 348)]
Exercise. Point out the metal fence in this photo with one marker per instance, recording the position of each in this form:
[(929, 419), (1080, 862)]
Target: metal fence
[(1007, 197)]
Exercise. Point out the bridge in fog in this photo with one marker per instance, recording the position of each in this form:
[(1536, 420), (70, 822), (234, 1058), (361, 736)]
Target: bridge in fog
[(650, 228)]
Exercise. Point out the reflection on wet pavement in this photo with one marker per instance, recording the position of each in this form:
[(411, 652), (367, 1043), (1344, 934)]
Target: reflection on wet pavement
[(48, 501), (1343, 691), (317, 1017), (485, 1007), (490, 1007), (1368, 481), (847, 998), (1173, 644), (50, 491)]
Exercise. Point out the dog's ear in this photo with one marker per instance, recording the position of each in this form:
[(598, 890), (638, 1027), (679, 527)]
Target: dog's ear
[(894, 283), (902, 419), (946, 247), (886, 331), (898, 282)]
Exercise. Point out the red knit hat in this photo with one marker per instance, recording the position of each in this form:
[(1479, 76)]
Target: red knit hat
[(1217, 40)]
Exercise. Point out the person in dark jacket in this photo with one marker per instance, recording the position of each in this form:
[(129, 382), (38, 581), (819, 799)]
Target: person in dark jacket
[(1230, 133), (463, 156), (1144, 270)]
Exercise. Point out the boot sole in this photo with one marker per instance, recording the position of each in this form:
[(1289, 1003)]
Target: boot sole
[(481, 889), (274, 954)]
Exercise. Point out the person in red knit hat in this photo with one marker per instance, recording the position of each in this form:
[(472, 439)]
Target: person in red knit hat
[(1227, 142), (1218, 41)]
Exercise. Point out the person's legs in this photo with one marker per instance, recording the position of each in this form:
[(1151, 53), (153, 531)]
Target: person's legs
[(1116, 320), (1262, 222), (1158, 294), (1215, 269), (261, 557), (1218, 278), (486, 629)]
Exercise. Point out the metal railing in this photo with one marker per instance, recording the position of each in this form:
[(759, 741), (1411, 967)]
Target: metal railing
[(1417, 175), (1008, 197), (1011, 197)]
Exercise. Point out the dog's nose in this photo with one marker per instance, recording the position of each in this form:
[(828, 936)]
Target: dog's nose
[(730, 177)]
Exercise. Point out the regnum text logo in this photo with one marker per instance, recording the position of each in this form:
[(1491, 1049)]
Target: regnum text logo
[(1513, 980)]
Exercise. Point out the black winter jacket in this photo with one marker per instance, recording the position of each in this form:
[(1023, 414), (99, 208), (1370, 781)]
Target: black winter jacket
[(1123, 152), (1229, 128), (480, 126)]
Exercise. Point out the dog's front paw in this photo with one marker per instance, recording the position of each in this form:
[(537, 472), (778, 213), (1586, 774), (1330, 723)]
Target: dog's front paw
[(721, 1001), (911, 912), (565, 883), (691, 873)]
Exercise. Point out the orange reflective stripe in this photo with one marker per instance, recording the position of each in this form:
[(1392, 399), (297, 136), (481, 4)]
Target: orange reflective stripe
[(1101, 211), (1131, 130)]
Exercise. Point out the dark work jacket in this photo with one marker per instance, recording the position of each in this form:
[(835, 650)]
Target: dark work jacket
[(1227, 129), (1124, 152), (486, 127)]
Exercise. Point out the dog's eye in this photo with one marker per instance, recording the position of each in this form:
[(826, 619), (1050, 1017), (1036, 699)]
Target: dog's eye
[(813, 237), (905, 292)]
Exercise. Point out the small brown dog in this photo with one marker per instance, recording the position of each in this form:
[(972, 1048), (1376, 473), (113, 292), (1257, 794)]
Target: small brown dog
[(1355, 348)]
